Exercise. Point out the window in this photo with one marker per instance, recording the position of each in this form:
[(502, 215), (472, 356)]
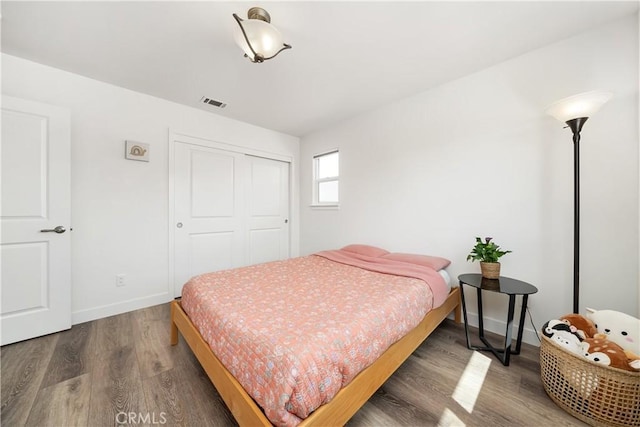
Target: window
[(325, 178)]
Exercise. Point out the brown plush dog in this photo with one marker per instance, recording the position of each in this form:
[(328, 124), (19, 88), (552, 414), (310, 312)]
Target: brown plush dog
[(583, 326)]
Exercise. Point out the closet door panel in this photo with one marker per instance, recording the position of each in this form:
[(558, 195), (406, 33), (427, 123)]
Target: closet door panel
[(209, 211), (268, 210)]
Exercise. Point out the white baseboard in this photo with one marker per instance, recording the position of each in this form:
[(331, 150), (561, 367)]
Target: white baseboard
[(119, 308)]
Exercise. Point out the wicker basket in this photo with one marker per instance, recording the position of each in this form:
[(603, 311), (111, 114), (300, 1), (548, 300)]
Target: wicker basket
[(596, 394)]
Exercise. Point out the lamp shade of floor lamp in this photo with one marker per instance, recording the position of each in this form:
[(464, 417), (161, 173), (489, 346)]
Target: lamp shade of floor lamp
[(574, 111)]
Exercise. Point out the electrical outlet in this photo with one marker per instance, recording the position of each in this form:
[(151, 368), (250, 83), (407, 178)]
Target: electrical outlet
[(120, 279)]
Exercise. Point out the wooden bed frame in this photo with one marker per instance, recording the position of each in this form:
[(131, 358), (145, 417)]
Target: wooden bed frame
[(348, 400)]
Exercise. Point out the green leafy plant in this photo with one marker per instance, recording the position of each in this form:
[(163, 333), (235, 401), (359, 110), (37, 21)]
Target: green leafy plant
[(486, 251)]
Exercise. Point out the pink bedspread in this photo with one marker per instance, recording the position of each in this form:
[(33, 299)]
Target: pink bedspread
[(294, 332), (381, 265)]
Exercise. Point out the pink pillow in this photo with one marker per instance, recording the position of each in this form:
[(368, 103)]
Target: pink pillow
[(434, 262), (365, 250)]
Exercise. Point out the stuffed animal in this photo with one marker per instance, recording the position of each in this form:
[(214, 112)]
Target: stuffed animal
[(620, 328), (580, 324), (608, 353), (560, 333)]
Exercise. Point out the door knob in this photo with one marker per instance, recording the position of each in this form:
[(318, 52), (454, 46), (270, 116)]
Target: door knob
[(59, 229), (179, 225)]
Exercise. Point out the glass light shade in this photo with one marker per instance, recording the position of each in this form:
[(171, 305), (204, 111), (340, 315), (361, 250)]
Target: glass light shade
[(576, 106), (265, 39)]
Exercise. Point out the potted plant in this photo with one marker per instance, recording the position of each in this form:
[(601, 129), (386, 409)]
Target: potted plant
[(488, 253)]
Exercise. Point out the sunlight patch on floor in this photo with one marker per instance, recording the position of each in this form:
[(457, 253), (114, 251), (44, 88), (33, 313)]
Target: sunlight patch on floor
[(470, 383), (449, 419)]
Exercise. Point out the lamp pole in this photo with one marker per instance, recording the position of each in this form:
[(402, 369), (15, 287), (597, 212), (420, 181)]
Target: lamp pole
[(574, 111), (576, 127)]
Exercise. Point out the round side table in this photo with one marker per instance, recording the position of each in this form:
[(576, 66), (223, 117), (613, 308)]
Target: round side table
[(502, 285)]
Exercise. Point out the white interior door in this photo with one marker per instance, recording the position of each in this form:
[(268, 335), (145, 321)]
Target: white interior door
[(36, 264), (267, 203), (208, 212)]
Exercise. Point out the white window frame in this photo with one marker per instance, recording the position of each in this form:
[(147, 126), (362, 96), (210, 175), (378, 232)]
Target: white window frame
[(317, 181)]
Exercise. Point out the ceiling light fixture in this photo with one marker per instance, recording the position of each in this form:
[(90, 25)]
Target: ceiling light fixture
[(257, 37)]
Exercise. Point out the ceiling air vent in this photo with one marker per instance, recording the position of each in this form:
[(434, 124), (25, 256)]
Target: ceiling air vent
[(213, 102)]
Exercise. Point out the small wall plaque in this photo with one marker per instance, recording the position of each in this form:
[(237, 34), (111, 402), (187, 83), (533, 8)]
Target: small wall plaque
[(136, 151)]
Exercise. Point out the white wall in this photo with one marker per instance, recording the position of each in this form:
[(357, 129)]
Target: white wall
[(119, 207), (479, 157)]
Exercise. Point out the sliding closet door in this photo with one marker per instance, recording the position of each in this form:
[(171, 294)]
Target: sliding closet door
[(267, 210), (230, 209), (209, 211)]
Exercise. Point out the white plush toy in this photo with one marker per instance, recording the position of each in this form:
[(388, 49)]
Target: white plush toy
[(560, 333), (618, 327)]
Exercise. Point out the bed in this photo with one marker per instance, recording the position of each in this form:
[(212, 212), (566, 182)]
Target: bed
[(307, 341)]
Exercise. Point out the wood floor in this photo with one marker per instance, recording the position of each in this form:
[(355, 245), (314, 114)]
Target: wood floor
[(122, 371)]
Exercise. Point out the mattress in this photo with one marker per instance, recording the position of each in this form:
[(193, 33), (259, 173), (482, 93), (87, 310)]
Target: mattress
[(447, 278), (294, 332)]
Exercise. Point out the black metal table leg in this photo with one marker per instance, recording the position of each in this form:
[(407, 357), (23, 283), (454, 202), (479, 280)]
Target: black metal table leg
[(503, 354), (503, 285), (480, 315), (523, 315), (464, 315), (507, 338)]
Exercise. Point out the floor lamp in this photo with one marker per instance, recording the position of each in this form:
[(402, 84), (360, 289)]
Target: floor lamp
[(574, 111)]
